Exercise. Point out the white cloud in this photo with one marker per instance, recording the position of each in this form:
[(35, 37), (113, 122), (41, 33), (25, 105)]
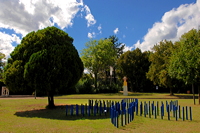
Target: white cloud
[(173, 24), (91, 34), (99, 28), (128, 48), (24, 16), (6, 41), (116, 31), (89, 17), (27, 15)]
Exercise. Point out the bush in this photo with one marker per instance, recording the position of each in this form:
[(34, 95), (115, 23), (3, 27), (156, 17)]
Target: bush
[(107, 88), (84, 86)]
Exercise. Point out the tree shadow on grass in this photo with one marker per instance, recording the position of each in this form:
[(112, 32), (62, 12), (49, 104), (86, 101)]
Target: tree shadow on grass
[(186, 96), (59, 113)]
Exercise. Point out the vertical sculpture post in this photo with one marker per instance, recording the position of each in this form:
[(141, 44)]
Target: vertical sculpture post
[(125, 88)]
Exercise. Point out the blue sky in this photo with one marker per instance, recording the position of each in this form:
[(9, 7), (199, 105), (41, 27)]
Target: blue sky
[(136, 23)]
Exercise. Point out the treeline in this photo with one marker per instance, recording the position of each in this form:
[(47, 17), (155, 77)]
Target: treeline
[(173, 66), (47, 64)]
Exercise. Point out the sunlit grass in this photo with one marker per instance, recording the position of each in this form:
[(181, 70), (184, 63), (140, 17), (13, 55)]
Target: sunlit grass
[(30, 115), (130, 95)]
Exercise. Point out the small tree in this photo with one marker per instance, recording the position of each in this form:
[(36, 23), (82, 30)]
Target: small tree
[(45, 60)]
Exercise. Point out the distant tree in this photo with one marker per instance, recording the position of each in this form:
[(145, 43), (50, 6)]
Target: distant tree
[(45, 60), (158, 70), (117, 46), (97, 56), (119, 49), (2, 63), (185, 61), (134, 65)]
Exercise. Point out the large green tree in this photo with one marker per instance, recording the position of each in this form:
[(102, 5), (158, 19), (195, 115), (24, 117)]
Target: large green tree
[(185, 61), (134, 65), (97, 56), (45, 60), (158, 70)]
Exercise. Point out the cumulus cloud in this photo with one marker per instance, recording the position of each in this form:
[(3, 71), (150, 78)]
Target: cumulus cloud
[(24, 16), (89, 17), (173, 24), (128, 48), (6, 41), (116, 31), (91, 34)]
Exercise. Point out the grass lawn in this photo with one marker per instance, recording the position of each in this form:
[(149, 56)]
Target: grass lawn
[(131, 95), (30, 116)]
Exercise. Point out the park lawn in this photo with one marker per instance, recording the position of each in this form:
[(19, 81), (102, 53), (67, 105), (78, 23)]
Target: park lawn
[(130, 95), (30, 115)]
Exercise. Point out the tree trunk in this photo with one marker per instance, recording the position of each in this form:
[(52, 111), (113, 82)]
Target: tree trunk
[(171, 92), (115, 81), (50, 100), (95, 80), (193, 93), (110, 80), (199, 92), (131, 86), (35, 94)]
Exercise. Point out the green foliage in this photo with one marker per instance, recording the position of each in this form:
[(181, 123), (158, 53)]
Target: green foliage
[(84, 85), (97, 56), (158, 70), (134, 65), (45, 60), (2, 64), (185, 61), (159, 62), (109, 88), (117, 46)]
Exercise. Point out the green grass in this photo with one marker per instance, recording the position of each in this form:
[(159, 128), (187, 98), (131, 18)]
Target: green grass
[(130, 95), (30, 115)]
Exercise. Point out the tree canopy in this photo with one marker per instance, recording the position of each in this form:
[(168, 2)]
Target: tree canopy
[(45, 60), (2, 63), (185, 61), (134, 65), (158, 70), (98, 55), (117, 46)]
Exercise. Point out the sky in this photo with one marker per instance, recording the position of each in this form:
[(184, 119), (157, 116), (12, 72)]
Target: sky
[(137, 23)]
